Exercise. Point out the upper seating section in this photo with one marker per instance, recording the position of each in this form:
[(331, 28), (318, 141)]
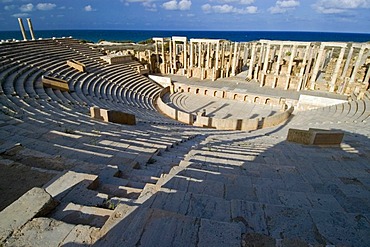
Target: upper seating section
[(117, 87)]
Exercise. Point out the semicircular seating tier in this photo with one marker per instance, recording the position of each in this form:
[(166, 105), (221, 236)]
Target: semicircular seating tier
[(160, 184), (115, 87)]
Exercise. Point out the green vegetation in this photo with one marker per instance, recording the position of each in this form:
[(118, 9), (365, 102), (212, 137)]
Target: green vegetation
[(108, 204)]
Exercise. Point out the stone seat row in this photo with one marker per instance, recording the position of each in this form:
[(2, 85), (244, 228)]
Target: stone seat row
[(64, 100), (355, 112)]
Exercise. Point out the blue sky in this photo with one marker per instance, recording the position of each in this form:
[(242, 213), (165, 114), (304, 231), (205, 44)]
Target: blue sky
[(248, 15)]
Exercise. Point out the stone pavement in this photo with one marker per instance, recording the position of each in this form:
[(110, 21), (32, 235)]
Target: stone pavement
[(221, 108), (239, 84)]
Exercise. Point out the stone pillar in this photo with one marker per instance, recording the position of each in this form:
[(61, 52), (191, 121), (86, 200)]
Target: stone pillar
[(22, 28), (259, 62), (185, 55), (358, 64), (348, 61), (217, 55), (199, 54), (208, 64), (277, 69), (317, 67), (156, 55), (191, 55), (265, 64), (336, 70), (251, 62), (162, 66), (303, 67), (290, 65), (234, 54), (309, 66), (367, 76), (171, 56), (246, 54), (31, 28)]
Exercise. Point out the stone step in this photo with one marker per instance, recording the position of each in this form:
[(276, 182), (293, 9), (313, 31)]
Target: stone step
[(43, 232), (36, 202), (61, 185), (81, 215), (154, 227), (119, 191), (85, 193), (195, 205)]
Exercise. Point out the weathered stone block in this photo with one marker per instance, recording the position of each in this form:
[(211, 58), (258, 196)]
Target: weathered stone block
[(315, 137), (55, 83), (76, 65), (299, 136), (34, 203), (112, 116)]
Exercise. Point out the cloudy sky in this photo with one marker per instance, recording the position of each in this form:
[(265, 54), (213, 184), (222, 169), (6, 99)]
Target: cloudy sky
[(248, 15)]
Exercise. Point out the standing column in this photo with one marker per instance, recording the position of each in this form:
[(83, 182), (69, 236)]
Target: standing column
[(303, 67), (251, 62), (163, 58), (185, 55), (317, 67), (259, 62), (265, 64), (156, 55), (199, 54), (171, 57), (208, 64), (234, 54), (357, 65), (22, 29), (367, 77), (217, 54), (191, 55), (336, 70), (289, 72), (277, 69), (246, 54), (31, 28), (348, 61)]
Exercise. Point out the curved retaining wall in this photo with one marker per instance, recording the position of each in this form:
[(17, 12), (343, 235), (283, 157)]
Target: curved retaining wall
[(218, 123)]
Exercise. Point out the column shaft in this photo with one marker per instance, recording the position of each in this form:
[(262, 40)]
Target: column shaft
[(336, 70), (251, 62), (348, 61), (317, 67), (31, 28), (303, 67), (22, 28), (357, 65), (290, 65)]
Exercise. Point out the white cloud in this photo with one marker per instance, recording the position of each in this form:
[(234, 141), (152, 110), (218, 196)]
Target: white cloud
[(175, 5), (89, 8), (147, 4), (150, 6), (283, 6), (18, 15), (226, 8), (246, 2), (45, 6), (9, 7), (26, 7), (339, 6)]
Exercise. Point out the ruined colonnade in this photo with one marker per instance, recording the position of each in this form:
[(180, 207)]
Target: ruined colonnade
[(326, 66)]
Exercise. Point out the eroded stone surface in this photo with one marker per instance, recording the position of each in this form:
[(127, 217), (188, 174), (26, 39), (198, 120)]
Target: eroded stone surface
[(36, 202)]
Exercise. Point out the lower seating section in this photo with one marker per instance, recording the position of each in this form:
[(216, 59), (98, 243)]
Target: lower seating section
[(160, 183)]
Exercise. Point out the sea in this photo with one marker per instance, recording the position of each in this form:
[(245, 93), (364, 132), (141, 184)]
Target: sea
[(236, 36)]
